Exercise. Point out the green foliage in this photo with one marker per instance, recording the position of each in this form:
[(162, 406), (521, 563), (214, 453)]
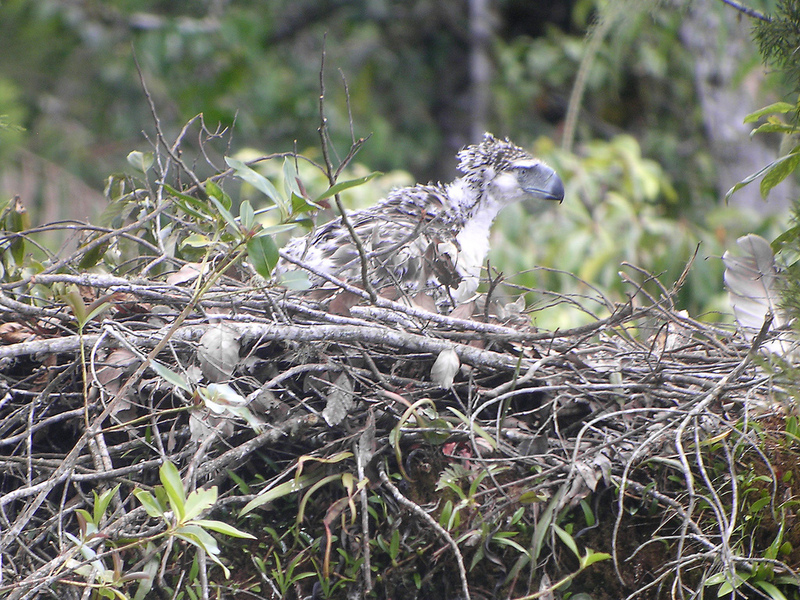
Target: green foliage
[(199, 229), (764, 531), (169, 502), (779, 169), (181, 511), (778, 40), (640, 82), (620, 216)]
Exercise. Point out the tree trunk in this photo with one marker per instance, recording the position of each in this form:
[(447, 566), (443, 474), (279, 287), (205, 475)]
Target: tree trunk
[(721, 42)]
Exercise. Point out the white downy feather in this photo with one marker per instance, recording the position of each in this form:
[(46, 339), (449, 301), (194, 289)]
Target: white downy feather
[(751, 279)]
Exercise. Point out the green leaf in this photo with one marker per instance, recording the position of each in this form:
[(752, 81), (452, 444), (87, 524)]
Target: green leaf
[(290, 178), (202, 539), (715, 579), (302, 205), (444, 518), (751, 178), (587, 513), (544, 522), (301, 508), (530, 497), (198, 501), (771, 590), (288, 487), (73, 298), (343, 185), (773, 549), (171, 376), (16, 216), (437, 432), (567, 539), (85, 514), (394, 545), (198, 536), (758, 505), (93, 256), (774, 128), (263, 254), (780, 171), (193, 206), (777, 107), (295, 280), (246, 215), (593, 557), (216, 192), (149, 503), (171, 479), (223, 528), (141, 161), (100, 308), (790, 234), (101, 502), (503, 541), (261, 183), (244, 488), (727, 586), (226, 215), (87, 525), (196, 240)]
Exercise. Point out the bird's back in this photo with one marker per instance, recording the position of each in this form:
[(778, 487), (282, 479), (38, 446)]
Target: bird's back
[(401, 238)]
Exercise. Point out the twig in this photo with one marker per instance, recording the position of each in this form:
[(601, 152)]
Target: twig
[(171, 150), (323, 134), (750, 12), (596, 35), (443, 533)]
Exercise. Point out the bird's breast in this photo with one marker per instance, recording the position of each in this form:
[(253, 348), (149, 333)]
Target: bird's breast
[(473, 242)]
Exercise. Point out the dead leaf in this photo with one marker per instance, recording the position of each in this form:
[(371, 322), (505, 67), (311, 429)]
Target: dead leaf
[(342, 302), (112, 375), (464, 311), (15, 333), (218, 352), (188, 272), (424, 301), (266, 404), (340, 400)]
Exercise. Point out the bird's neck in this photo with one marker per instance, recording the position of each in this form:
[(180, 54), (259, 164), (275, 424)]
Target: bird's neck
[(468, 204), (477, 213)]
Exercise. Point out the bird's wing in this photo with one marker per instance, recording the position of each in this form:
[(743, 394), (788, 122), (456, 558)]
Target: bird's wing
[(401, 237)]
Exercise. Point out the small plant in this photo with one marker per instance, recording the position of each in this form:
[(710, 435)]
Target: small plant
[(106, 581), (169, 502), (180, 511)]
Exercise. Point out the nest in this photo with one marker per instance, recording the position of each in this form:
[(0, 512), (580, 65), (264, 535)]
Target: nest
[(250, 388)]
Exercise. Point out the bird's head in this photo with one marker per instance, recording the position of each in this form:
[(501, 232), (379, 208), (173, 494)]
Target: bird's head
[(508, 173)]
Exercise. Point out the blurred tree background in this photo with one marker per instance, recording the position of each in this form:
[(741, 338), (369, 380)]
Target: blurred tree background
[(638, 104)]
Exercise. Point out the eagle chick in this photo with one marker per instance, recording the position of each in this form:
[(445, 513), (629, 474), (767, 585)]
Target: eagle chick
[(429, 239)]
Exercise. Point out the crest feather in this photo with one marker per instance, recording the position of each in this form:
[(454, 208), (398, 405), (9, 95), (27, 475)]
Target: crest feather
[(491, 152)]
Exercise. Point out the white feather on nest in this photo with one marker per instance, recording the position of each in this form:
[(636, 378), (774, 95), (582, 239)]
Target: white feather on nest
[(752, 280)]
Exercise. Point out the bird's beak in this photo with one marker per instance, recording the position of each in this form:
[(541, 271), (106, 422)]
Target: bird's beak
[(547, 184)]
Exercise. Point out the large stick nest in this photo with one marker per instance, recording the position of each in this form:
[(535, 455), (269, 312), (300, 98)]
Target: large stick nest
[(536, 420), (377, 450)]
